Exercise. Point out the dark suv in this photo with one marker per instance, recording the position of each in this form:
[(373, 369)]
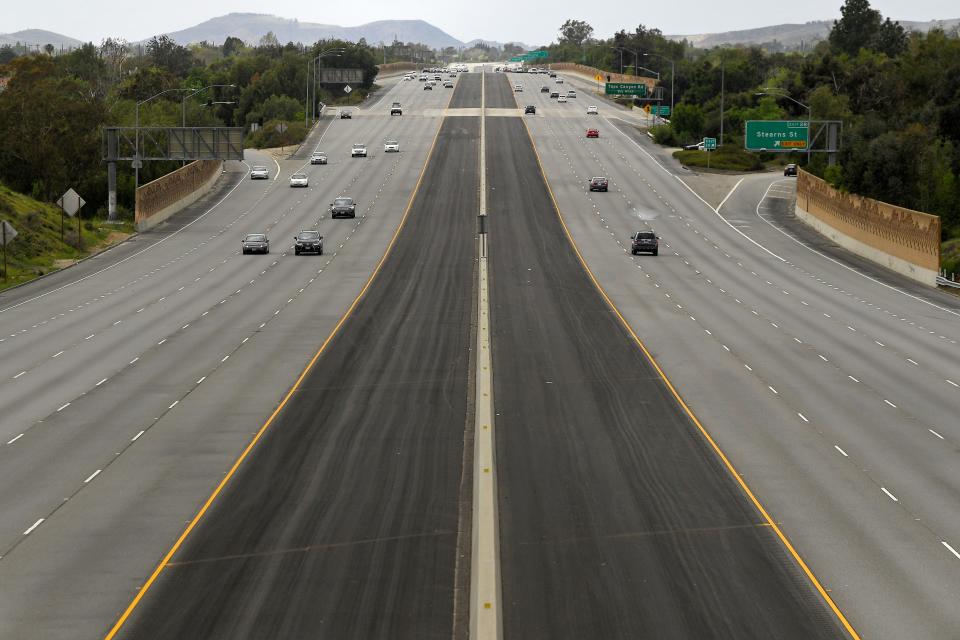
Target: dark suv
[(790, 170), (308, 242), (343, 206), (599, 184), (645, 242)]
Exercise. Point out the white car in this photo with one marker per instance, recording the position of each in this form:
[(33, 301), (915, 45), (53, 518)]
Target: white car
[(358, 151), (298, 180), (518, 88), (592, 110), (259, 173), (561, 98), (559, 80), (318, 157), (571, 93), (391, 145)]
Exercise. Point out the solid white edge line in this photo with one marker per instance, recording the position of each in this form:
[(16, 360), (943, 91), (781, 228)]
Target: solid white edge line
[(951, 549), (92, 476), (33, 526)]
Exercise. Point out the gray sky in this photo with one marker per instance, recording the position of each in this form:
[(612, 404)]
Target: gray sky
[(503, 20)]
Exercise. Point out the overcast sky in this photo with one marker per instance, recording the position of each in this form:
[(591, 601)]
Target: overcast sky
[(502, 20)]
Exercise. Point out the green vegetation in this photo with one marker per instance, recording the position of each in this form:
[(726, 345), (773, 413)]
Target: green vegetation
[(950, 257), (38, 249), (727, 158), (896, 92)]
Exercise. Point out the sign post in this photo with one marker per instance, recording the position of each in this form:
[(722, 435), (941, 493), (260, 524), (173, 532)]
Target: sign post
[(709, 144), (599, 79), (777, 135), (7, 234), (70, 204)]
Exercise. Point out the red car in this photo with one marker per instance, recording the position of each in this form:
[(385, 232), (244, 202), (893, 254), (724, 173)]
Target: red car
[(593, 133)]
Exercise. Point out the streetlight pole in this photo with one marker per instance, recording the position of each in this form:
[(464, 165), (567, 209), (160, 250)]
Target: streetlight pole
[(310, 106), (136, 144), (773, 91), (673, 76), (183, 104)]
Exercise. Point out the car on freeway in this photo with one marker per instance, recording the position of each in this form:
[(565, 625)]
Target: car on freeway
[(599, 183), (423, 78), (544, 89), (359, 150), (299, 180), (391, 146), (448, 84), (530, 109), (645, 242), (428, 87), (396, 109), (554, 94), (345, 115), (790, 170), (437, 76), (344, 207), (318, 157), (308, 241), (593, 133), (592, 110), (561, 98), (255, 243), (696, 146), (518, 87), (259, 173), (553, 74), (406, 78), (559, 80), (452, 74), (571, 93)]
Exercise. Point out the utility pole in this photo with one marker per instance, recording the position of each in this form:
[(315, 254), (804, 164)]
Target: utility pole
[(722, 82)]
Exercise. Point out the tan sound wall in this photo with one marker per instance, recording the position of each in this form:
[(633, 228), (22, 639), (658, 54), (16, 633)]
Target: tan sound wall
[(165, 196), (592, 72), (901, 239)]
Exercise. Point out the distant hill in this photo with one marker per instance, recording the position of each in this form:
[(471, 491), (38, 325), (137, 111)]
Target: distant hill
[(250, 27), (793, 36), (38, 37)]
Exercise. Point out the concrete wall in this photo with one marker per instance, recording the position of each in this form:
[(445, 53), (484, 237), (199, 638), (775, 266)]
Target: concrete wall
[(165, 196), (591, 72), (901, 239), (394, 68)]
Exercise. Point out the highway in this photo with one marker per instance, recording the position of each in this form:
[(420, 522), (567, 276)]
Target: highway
[(751, 434)]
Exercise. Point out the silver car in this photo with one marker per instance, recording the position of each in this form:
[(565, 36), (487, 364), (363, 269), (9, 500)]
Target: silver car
[(318, 157), (359, 150), (259, 173), (255, 243), (391, 145), (299, 180)]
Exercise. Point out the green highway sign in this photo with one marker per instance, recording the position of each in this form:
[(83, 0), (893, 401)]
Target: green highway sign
[(626, 89), (538, 54), (709, 144), (665, 110), (776, 135), (516, 59)]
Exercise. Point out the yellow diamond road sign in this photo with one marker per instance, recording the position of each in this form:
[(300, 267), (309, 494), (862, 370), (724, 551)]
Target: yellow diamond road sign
[(598, 78)]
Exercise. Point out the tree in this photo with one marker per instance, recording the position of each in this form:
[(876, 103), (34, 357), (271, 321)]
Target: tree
[(575, 32), (49, 49), (169, 55), (232, 46), (7, 54), (856, 29), (687, 121), (891, 38)]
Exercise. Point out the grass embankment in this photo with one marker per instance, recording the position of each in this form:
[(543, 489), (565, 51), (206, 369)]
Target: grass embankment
[(727, 158), (37, 249), (950, 256)]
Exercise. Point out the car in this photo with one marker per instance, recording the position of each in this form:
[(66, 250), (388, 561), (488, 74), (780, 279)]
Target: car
[(395, 109), (344, 206), (452, 75), (553, 74), (544, 89), (318, 157), (697, 146), (518, 87), (593, 133), (359, 150), (345, 115), (299, 180), (437, 77), (428, 87), (308, 241), (448, 84), (423, 78), (592, 110), (599, 183), (259, 173), (406, 78), (561, 98), (571, 93), (554, 94), (645, 242), (391, 146), (255, 243), (559, 80), (530, 109), (790, 170)]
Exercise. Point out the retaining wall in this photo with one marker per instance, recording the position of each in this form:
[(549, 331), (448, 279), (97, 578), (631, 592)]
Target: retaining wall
[(592, 72), (901, 239), (165, 196)]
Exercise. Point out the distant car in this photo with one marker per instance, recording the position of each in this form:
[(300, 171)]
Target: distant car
[(255, 243), (530, 109), (571, 93), (343, 207), (554, 94), (391, 146), (559, 80), (553, 74), (308, 241), (518, 87), (318, 157), (593, 133), (452, 75), (644, 242), (544, 89), (561, 98), (259, 173), (345, 115), (592, 110), (405, 78), (358, 151), (599, 183), (428, 87), (448, 84), (697, 146), (299, 180), (395, 109), (790, 170), (423, 78)]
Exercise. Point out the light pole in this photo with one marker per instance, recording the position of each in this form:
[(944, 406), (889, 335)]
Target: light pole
[(183, 105), (673, 75), (136, 144), (309, 107), (774, 91)]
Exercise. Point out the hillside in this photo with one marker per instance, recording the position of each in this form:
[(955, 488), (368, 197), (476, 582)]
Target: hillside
[(250, 27), (38, 37), (792, 36)]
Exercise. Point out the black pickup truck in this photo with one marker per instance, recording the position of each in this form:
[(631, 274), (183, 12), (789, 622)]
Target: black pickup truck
[(644, 242)]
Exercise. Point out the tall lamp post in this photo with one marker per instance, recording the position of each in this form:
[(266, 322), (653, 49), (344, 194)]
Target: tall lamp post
[(672, 75), (310, 105), (183, 103), (136, 144), (774, 91)]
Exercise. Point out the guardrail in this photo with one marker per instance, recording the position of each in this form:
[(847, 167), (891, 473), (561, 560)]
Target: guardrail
[(944, 282)]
